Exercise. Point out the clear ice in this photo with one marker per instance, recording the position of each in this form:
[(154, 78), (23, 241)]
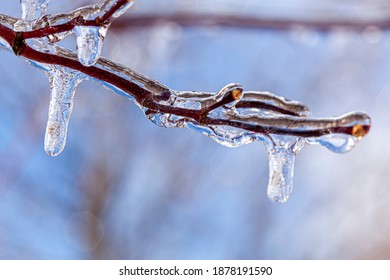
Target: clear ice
[(284, 126), (89, 43), (123, 9), (63, 83), (231, 116), (281, 170), (33, 9)]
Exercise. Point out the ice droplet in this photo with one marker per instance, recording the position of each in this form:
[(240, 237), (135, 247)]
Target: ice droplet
[(33, 9), (4, 45), (234, 118), (123, 9), (89, 43), (63, 83), (281, 154)]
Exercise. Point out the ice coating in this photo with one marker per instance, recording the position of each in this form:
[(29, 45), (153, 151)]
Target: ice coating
[(338, 143), (284, 126), (89, 43), (63, 83), (281, 157), (228, 96), (4, 45), (33, 9), (273, 104)]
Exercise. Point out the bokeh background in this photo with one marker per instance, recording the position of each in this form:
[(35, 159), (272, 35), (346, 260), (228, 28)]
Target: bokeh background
[(126, 189)]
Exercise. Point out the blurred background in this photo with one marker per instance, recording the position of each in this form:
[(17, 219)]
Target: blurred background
[(126, 189)]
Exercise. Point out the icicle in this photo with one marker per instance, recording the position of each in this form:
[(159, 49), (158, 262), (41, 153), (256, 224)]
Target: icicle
[(63, 83), (89, 43), (341, 142), (33, 9), (123, 9)]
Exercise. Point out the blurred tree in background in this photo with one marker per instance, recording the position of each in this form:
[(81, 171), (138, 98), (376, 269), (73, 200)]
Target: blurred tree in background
[(112, 192)]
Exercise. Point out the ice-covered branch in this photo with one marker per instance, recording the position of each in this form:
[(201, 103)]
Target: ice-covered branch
[(232, 116), (249, 21)]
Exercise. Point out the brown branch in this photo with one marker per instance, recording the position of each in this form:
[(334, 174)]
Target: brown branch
[(231, 117), (107, 17), (103, 20)]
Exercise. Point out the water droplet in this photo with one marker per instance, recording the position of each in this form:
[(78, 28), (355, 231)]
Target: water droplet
[(33, 9), (63, 83), (89, 43), (123, 9)]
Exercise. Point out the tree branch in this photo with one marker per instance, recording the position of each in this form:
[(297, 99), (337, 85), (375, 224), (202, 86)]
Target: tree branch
[(231, 117)]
